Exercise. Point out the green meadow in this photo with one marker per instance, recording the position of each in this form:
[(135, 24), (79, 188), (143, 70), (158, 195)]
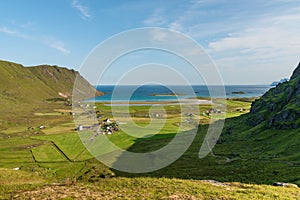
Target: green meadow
[(57, 155)]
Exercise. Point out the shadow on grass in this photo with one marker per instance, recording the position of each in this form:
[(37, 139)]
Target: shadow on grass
[(237, 167)]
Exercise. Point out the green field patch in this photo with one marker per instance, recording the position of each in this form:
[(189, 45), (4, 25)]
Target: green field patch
[(48, 114), (70, 144), (65, 170), (60, 128), (48, 153), (15, 157), (12, 130), (17, 150)]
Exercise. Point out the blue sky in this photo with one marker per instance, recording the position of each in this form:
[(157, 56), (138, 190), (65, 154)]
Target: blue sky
[(251, 42)]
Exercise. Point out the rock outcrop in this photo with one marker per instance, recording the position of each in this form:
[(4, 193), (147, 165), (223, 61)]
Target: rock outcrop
[(279, 108)]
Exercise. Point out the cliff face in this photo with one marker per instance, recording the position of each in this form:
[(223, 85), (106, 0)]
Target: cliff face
[(279, 108), (20, 84)]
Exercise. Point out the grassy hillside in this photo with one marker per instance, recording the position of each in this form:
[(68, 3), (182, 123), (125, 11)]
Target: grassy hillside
[(279, 108), (21, 84), (26, 90)]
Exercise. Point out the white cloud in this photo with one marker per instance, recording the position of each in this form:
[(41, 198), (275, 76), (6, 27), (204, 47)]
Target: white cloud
[(56, 44), (14, 33), (7, 31), (84, 10), (48, 41), (277, 36), (156, 19), (267, 51), (28, 25), (257, 41), (175, 26), (159, 35)]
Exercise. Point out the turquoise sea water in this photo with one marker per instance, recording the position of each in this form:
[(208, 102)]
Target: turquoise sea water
[(147, 93)]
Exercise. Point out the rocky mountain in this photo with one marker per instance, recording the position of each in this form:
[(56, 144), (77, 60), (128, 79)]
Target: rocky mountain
[(279, 108)]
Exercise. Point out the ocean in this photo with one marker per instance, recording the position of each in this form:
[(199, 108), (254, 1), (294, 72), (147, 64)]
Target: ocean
[(152, 93)]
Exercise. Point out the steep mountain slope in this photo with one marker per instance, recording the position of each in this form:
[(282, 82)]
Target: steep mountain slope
[(279, 108), (264, 145), (31, 84), (24, 88)]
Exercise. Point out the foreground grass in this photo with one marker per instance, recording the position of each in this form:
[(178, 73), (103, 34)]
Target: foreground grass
[(152, 188), (27, 185), (12, 182)]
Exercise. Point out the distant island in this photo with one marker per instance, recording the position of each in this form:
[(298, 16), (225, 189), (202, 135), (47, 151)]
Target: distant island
[(238, 92), (167, 94)]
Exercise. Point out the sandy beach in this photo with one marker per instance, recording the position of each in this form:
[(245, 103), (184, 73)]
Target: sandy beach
[(150, 103)]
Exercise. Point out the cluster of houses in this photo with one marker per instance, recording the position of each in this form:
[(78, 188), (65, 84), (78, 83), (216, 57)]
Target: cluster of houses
[(108, 127), (218, 111), (211, 111), (105, 127)]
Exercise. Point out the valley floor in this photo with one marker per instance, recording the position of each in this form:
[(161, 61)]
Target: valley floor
[(53, 163)]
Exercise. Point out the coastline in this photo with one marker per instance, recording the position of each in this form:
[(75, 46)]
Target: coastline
[(150, 103), (167, 95), (158, 93)]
